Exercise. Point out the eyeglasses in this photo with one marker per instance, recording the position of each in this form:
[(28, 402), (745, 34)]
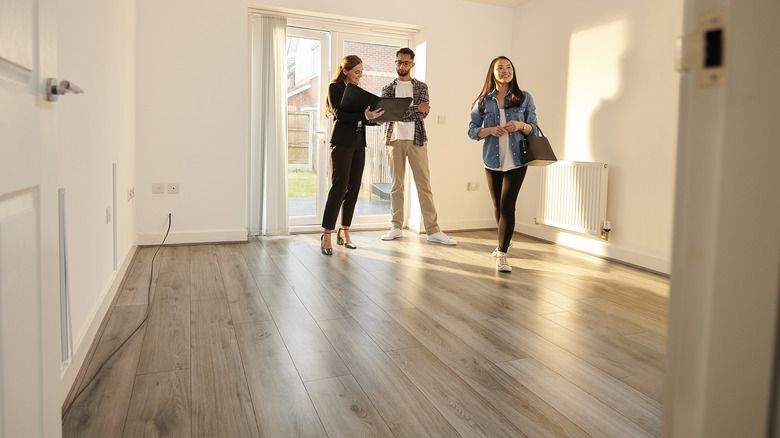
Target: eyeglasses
[(403, 63)]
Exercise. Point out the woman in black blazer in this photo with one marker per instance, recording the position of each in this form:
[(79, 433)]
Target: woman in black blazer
[(347, 154)]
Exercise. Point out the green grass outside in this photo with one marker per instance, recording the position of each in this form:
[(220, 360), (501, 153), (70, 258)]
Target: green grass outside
[(301, 184)]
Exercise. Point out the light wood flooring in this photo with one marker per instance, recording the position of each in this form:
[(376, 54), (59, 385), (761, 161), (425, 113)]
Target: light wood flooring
[(395, 339)]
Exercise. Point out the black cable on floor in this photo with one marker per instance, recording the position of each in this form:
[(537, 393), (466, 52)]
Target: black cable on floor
[(146, 317)]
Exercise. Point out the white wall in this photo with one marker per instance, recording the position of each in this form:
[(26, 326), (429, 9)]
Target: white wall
[(603, 77), (192, 119), (192, 108), (96, 51)]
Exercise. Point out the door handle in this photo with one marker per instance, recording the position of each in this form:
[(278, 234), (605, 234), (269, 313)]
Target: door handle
[(55, 90)]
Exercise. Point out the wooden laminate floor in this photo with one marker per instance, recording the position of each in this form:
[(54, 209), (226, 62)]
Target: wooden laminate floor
[(404, 338)]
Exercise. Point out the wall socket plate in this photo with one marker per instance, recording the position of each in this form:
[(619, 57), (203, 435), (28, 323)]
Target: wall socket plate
[(173, 188), (158, 188)]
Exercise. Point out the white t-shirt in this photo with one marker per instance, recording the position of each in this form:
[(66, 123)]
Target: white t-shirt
[(403, 130), (504, 152)]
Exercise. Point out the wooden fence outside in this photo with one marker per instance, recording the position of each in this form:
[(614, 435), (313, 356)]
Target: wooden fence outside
[(301, 155)]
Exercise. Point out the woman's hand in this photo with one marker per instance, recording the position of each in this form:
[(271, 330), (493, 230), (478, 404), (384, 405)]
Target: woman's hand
[(371, 115), (514, 125), (495, 131), (498, 131)]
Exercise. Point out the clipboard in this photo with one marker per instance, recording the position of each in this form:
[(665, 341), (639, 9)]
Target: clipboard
[(356, 99)]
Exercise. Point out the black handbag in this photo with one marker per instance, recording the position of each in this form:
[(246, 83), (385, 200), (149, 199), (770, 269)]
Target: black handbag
[(536, 150)]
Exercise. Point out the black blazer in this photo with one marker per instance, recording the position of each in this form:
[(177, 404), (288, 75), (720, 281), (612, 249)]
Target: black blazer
[(345, 124)]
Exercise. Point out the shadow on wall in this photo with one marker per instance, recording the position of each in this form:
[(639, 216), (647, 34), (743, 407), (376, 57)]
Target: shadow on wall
[(626, 123)]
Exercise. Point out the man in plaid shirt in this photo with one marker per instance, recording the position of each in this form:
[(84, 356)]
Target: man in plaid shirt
[(407, 139)]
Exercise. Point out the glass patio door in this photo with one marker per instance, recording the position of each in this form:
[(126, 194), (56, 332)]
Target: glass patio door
[(378, 55), (312, 57)]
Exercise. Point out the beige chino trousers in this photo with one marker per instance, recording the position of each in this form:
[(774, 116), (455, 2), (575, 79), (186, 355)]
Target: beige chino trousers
[(399, 151)]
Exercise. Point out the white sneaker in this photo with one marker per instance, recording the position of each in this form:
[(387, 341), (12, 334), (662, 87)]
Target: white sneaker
[(394, 233), (496, 251), (501, 262), (442, 238)]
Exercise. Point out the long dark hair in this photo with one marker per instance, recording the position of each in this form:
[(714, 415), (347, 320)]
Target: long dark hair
[(348, 63), (516, 98)]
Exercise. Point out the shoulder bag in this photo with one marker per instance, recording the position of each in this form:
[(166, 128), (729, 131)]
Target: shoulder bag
[(536, 150)]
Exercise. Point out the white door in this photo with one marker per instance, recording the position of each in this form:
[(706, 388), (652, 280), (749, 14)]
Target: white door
[(29, 297)]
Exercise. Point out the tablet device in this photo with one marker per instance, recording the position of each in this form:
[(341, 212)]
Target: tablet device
[(395, 108), (356, 99)]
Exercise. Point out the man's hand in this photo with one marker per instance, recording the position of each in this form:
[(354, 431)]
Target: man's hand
[(424, 108)]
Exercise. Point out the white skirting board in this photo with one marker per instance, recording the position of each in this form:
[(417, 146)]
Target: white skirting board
[(194, 237), (83, 341)]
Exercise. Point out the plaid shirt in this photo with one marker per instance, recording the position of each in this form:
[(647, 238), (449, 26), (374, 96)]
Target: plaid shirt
[(420, 91)]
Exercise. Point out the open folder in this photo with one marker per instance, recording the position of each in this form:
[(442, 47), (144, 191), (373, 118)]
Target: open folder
[(356, 99)]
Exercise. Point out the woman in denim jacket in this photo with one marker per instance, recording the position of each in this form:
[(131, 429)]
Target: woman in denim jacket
[(503, 116)]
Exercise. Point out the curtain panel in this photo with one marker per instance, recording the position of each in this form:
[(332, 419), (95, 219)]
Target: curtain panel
[(268, 210)]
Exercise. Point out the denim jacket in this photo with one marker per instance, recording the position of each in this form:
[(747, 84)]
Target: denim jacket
[(525, 113)]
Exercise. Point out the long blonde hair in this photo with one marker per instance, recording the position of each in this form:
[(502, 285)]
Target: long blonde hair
[(348, 63)]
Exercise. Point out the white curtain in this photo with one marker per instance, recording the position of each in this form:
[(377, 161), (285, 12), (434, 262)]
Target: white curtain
[(268, 213)]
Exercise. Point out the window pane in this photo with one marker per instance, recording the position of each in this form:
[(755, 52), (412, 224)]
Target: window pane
[(378, 71), (304, 58)]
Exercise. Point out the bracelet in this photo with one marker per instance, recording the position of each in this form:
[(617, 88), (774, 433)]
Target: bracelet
[(523, 129)]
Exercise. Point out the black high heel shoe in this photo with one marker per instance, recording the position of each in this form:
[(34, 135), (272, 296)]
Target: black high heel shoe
[(340, 241), (326, 251)]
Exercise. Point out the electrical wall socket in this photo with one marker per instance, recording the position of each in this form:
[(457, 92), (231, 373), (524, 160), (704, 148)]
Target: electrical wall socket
[(472, 186), (158, 188), (173, 188)]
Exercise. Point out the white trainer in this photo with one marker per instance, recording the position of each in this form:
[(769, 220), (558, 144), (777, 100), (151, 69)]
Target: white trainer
[(394, 233), (440, 237), (496, 251), (501, 262)]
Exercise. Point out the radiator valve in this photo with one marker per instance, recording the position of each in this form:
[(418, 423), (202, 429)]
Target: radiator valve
[(605, 229)]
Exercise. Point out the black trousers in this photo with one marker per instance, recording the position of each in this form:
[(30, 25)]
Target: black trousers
[(346, 175), (504, 188)]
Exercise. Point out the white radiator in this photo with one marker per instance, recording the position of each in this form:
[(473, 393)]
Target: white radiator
[(573, 196)]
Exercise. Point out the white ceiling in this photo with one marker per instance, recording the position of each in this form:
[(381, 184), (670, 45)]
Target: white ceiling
[(504, 3)]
